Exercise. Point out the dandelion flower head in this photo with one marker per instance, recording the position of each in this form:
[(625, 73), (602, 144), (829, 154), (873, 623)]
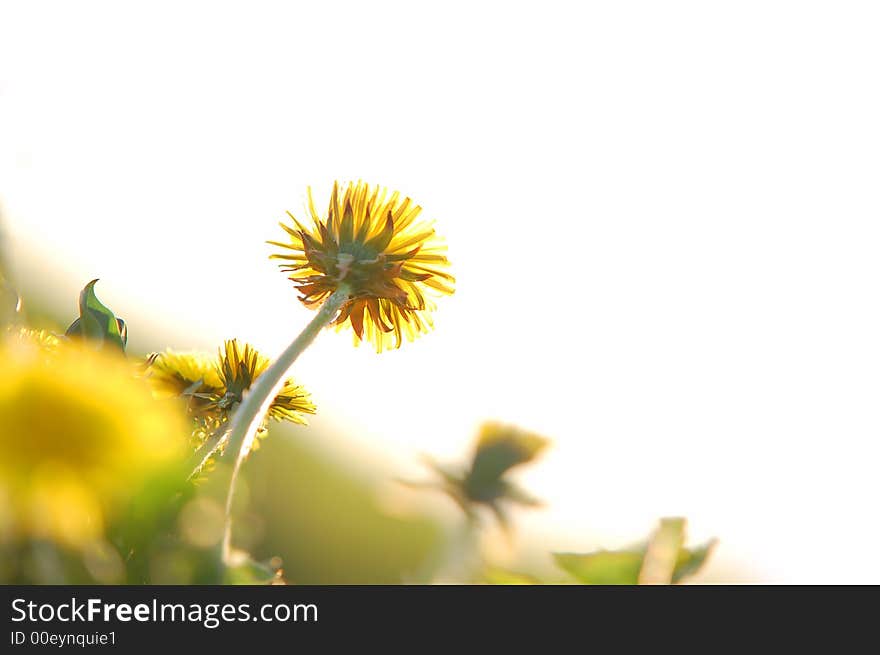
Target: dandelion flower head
[(373, 242), (213, 385)]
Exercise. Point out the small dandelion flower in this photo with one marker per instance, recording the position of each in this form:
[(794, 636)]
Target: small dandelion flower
[(184, 374), (214, 386), (80, 435), (193, 377), (241, 365), (485, 481), (374, 243)]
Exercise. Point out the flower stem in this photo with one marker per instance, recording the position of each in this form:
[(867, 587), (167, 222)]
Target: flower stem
[(255, 404)]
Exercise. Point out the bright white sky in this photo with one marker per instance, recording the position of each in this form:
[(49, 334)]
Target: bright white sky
[(663, 219)]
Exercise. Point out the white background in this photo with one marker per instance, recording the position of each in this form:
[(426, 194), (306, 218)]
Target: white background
[(663, 218)]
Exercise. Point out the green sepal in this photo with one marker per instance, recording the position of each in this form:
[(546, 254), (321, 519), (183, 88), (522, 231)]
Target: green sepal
[(96, 322)]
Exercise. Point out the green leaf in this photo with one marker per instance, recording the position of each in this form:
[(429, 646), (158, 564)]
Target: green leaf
[(662, 560), (498, 576), (606, 567), (96, 322), (691, 560)]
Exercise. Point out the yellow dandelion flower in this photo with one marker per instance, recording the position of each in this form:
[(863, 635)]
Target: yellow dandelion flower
[(374, 243), (184, 373), (241, 365), (80, 434), (214, 385), (194, 377)]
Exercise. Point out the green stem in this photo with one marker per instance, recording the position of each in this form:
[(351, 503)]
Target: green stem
[(255, 404), (206, 451)]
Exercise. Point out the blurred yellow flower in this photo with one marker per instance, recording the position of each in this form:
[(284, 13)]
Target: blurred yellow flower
[(485, 481), (372, 242), (39, 338), (80, 434)]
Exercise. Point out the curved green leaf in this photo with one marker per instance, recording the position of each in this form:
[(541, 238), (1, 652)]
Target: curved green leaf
[(97, 322), (691, 560), (660, 560)]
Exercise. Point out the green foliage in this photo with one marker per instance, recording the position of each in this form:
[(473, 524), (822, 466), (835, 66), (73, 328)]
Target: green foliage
[(662, 559), (149, 521), (494, 575), (691, 560), (326, 523), (247, 571), (10, 303), (603, 567), (96, 322)]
